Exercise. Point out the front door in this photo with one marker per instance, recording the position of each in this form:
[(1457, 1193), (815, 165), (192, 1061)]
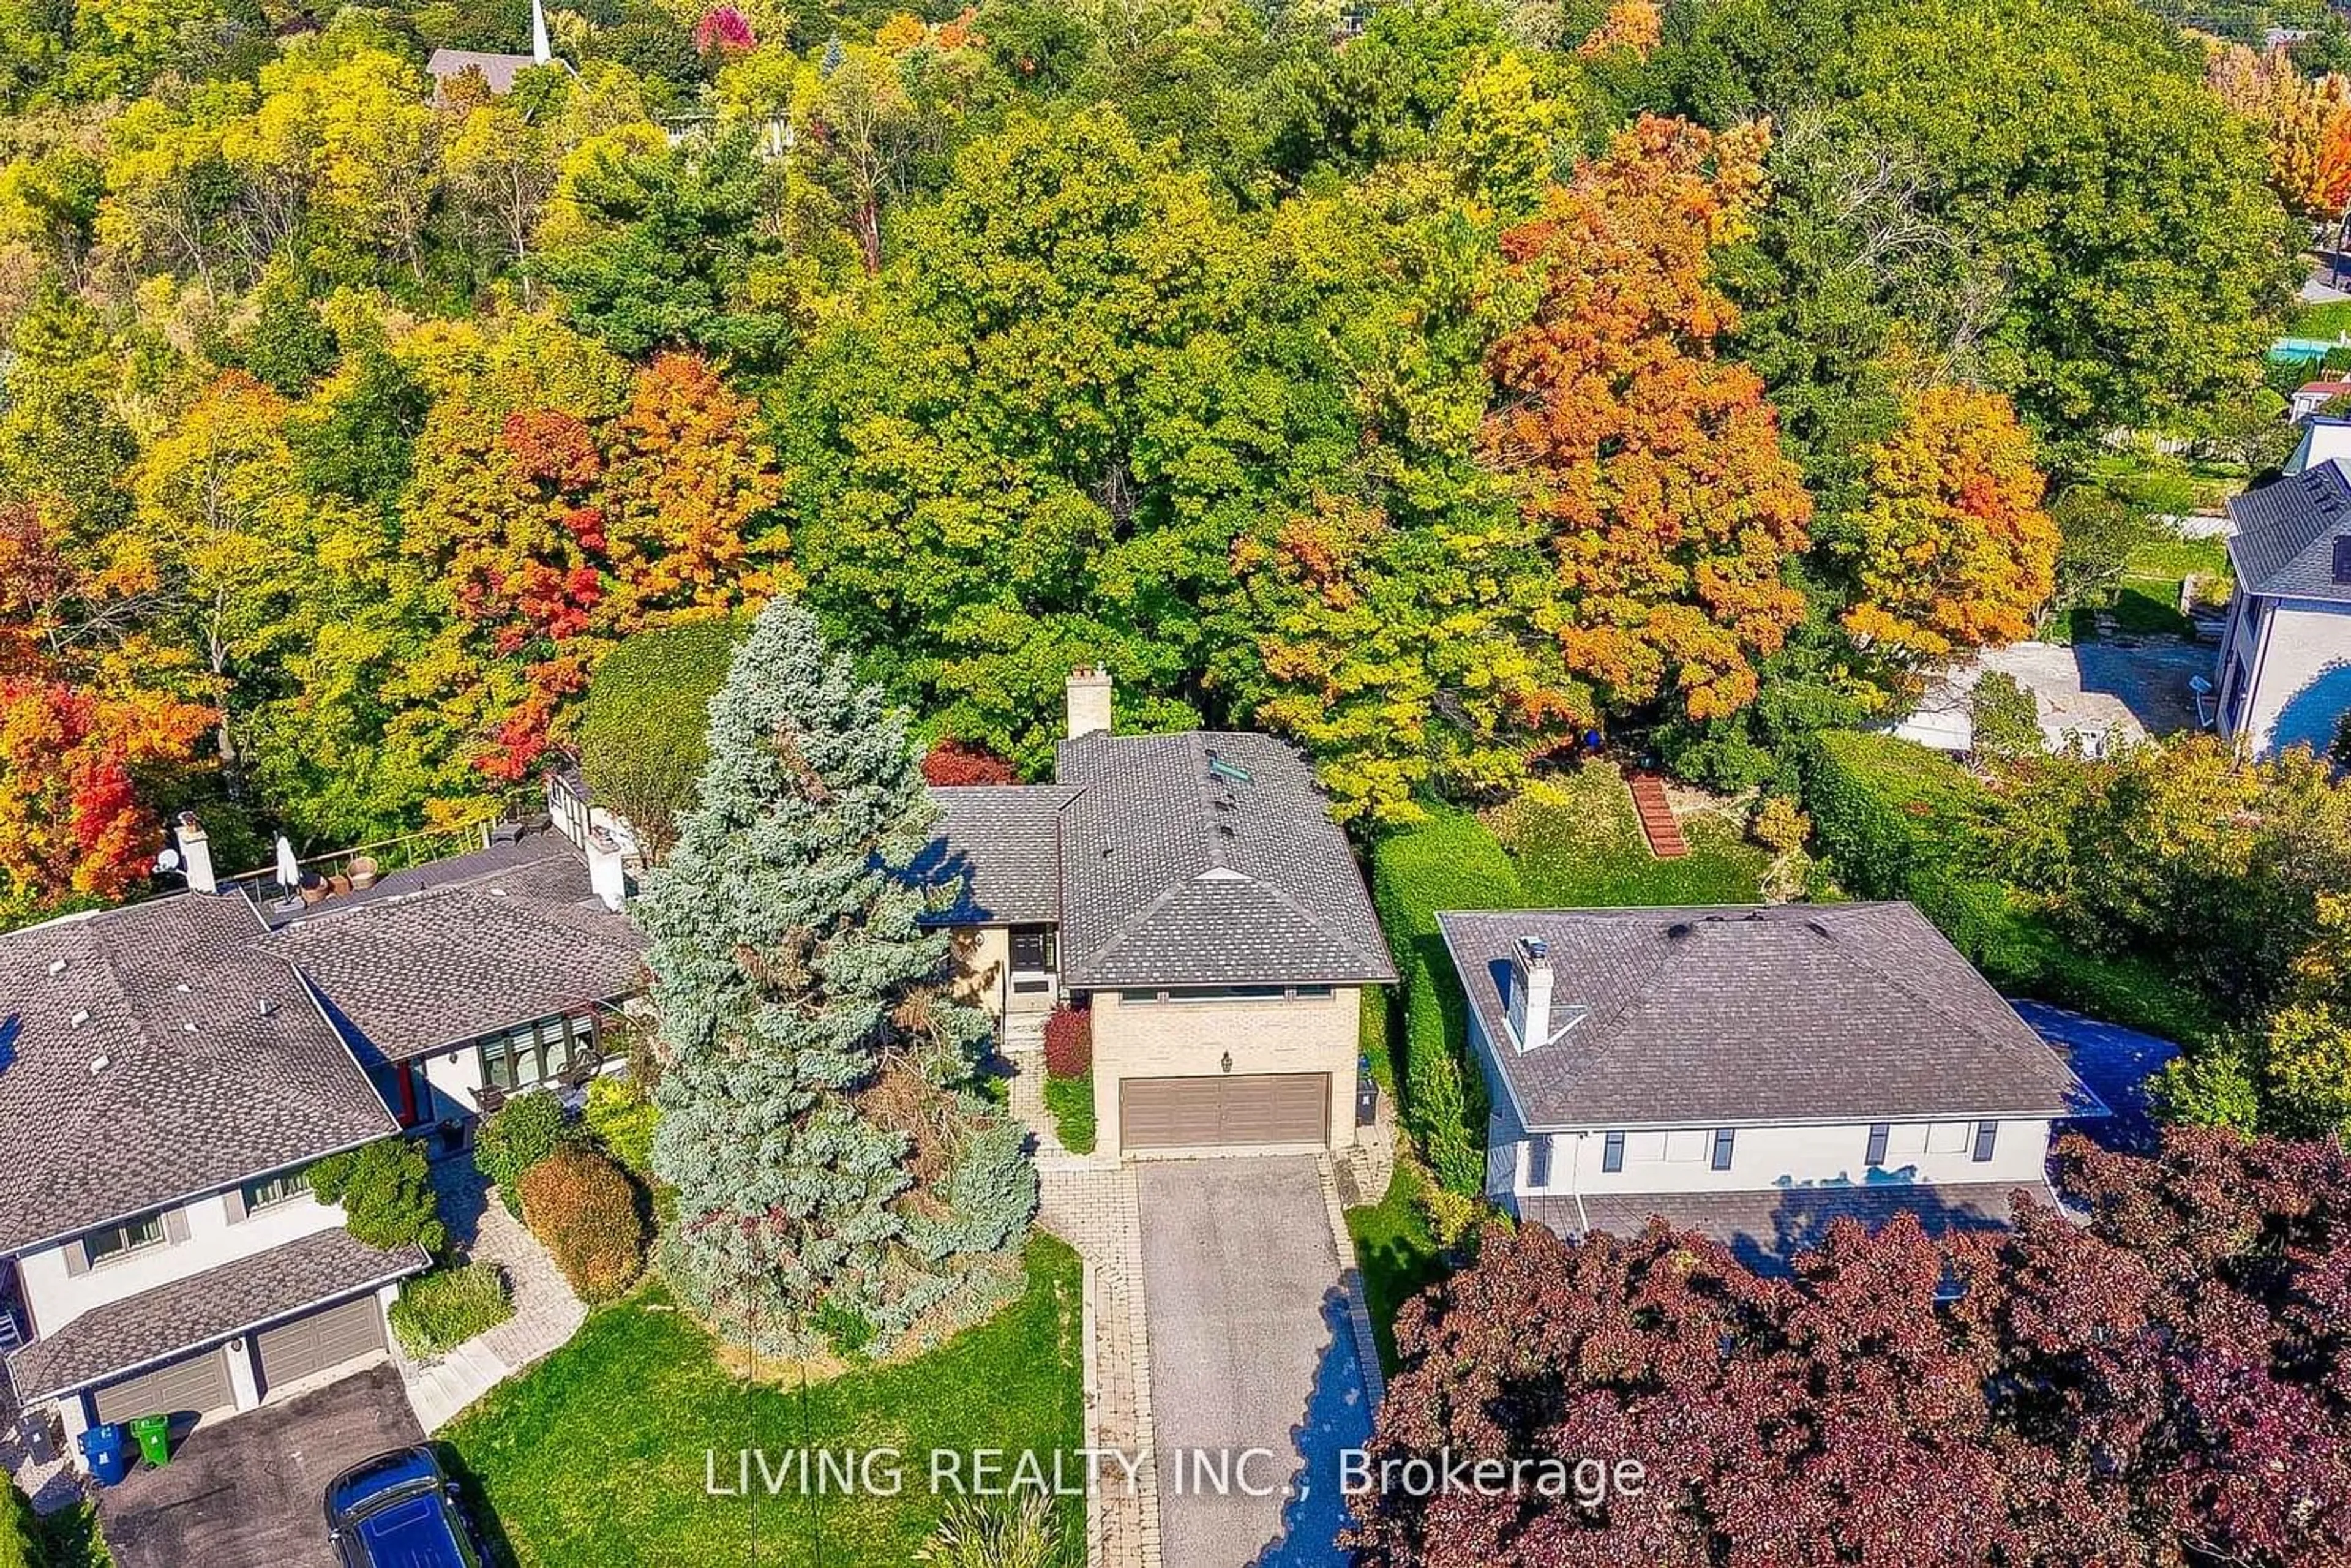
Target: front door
[(1033, 983)]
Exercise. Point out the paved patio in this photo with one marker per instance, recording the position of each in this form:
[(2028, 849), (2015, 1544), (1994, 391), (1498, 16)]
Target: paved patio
[(547, 1311), (2108, 692), (247, 1492)]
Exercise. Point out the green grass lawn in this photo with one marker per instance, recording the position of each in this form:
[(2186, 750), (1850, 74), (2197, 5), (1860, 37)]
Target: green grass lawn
[(595, 1457), (1397, 1253), (2325, 318), (1578, 845), (1072, 1102)]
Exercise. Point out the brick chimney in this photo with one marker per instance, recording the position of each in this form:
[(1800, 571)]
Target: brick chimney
[(1089, 701)]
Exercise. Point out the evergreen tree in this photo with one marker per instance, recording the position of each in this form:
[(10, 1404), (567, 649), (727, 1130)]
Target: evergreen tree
[(838, 1180)]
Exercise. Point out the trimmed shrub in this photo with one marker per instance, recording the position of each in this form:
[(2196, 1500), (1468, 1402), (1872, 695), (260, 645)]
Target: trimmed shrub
[(1069, 1043), (584, 1209), (622, 1118), (20, 1545), (1450, 862), (516, 1136), (641, 742), (441, 1310), (386, 1191), (1070, 1102)]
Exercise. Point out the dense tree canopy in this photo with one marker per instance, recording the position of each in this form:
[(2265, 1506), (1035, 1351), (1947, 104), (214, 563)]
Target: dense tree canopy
[(1435, 393), (2161, 1386)]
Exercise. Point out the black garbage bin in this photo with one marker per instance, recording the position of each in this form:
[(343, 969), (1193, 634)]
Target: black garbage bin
[(44, 1440), (1367, 1093)]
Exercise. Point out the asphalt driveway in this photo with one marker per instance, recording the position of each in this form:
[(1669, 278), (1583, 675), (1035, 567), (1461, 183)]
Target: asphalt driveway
[(246, 1492), (1249, 1350)]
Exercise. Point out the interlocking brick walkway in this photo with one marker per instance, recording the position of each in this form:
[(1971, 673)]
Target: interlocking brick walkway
[(547, 1313), (1090, 1202)]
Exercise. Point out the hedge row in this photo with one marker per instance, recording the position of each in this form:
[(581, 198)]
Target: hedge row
[(1898, 819), (1450, 862)]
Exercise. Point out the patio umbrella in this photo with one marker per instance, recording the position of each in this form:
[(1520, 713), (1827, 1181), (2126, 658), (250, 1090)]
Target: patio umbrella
[(288, 873)]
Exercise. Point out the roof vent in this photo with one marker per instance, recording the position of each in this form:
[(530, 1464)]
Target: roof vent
[(98, 1063), (57, 966), (80, 1017), (1817, 929), (182, 988), (190, 1026), (267, 1006), (2342, 557)]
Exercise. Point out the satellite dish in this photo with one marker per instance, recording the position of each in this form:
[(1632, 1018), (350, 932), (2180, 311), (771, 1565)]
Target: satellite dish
[(168, 861)]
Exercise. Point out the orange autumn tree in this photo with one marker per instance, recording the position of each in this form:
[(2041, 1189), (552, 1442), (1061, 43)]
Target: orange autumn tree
[(1648, 468), (2305, 123), (687, 485), (1633, 25), (1952, 551), (78, 736)]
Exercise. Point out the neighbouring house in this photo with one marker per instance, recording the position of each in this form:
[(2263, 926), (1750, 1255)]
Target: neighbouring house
[(1191, 892), (169, 1069), (2284, 675), (2311, 396), (1750, 1073), (497, 71)]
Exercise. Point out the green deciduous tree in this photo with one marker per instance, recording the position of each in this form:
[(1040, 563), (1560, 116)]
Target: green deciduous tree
[(837, 1180)]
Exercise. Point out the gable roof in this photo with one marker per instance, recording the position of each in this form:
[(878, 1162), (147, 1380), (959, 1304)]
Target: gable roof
[(219, 1064), (1002, 843), (1737, 1015), (463, 947), (1206, 858), (2284, 543)]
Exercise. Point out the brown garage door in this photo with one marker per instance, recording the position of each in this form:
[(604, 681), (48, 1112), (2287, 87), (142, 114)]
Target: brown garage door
[(1201, 1113), (322, 1339), (195, 1386)]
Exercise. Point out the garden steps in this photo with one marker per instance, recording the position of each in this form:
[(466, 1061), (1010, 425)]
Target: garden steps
[(1656, 814)]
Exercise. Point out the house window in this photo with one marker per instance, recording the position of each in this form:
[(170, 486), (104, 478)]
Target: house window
[(1032, 947), (270, 1191), (1612, 1152), (1880, 1134), (1987, 1137), (1230, 994), (1723, 1137), (536, 1053), (131, 1236)]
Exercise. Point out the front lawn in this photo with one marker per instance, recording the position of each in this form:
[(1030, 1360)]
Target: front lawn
[(596, 1458)]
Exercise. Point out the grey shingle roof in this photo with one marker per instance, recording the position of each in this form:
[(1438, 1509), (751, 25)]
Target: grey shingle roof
[(2286, 529), (205, 1309), (1003, 841), (1766, 1229), (1171, 875), (1726, 1016), (219, 1064), (498, 71), (466, 947)]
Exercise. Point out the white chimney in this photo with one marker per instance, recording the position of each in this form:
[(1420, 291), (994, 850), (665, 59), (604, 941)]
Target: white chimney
[(608, 877), (195, 853), (541, 53), (1531, 979), (1089, 701)]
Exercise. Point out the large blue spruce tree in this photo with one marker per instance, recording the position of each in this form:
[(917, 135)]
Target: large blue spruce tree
[(839, 1182)]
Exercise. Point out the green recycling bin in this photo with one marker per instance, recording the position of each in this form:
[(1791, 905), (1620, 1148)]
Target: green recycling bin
[(154, 1434)]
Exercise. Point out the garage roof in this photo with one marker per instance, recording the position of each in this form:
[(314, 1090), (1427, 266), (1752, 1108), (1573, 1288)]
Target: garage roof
[(189, 1315)]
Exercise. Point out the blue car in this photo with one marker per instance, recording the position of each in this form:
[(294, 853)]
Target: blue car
[(399, 1510)]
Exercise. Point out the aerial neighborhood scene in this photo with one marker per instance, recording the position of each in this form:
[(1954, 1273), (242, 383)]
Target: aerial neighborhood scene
[(1160, 784)]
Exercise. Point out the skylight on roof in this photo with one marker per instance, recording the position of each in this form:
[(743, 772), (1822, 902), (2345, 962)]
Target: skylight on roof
[(1231, 772)]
